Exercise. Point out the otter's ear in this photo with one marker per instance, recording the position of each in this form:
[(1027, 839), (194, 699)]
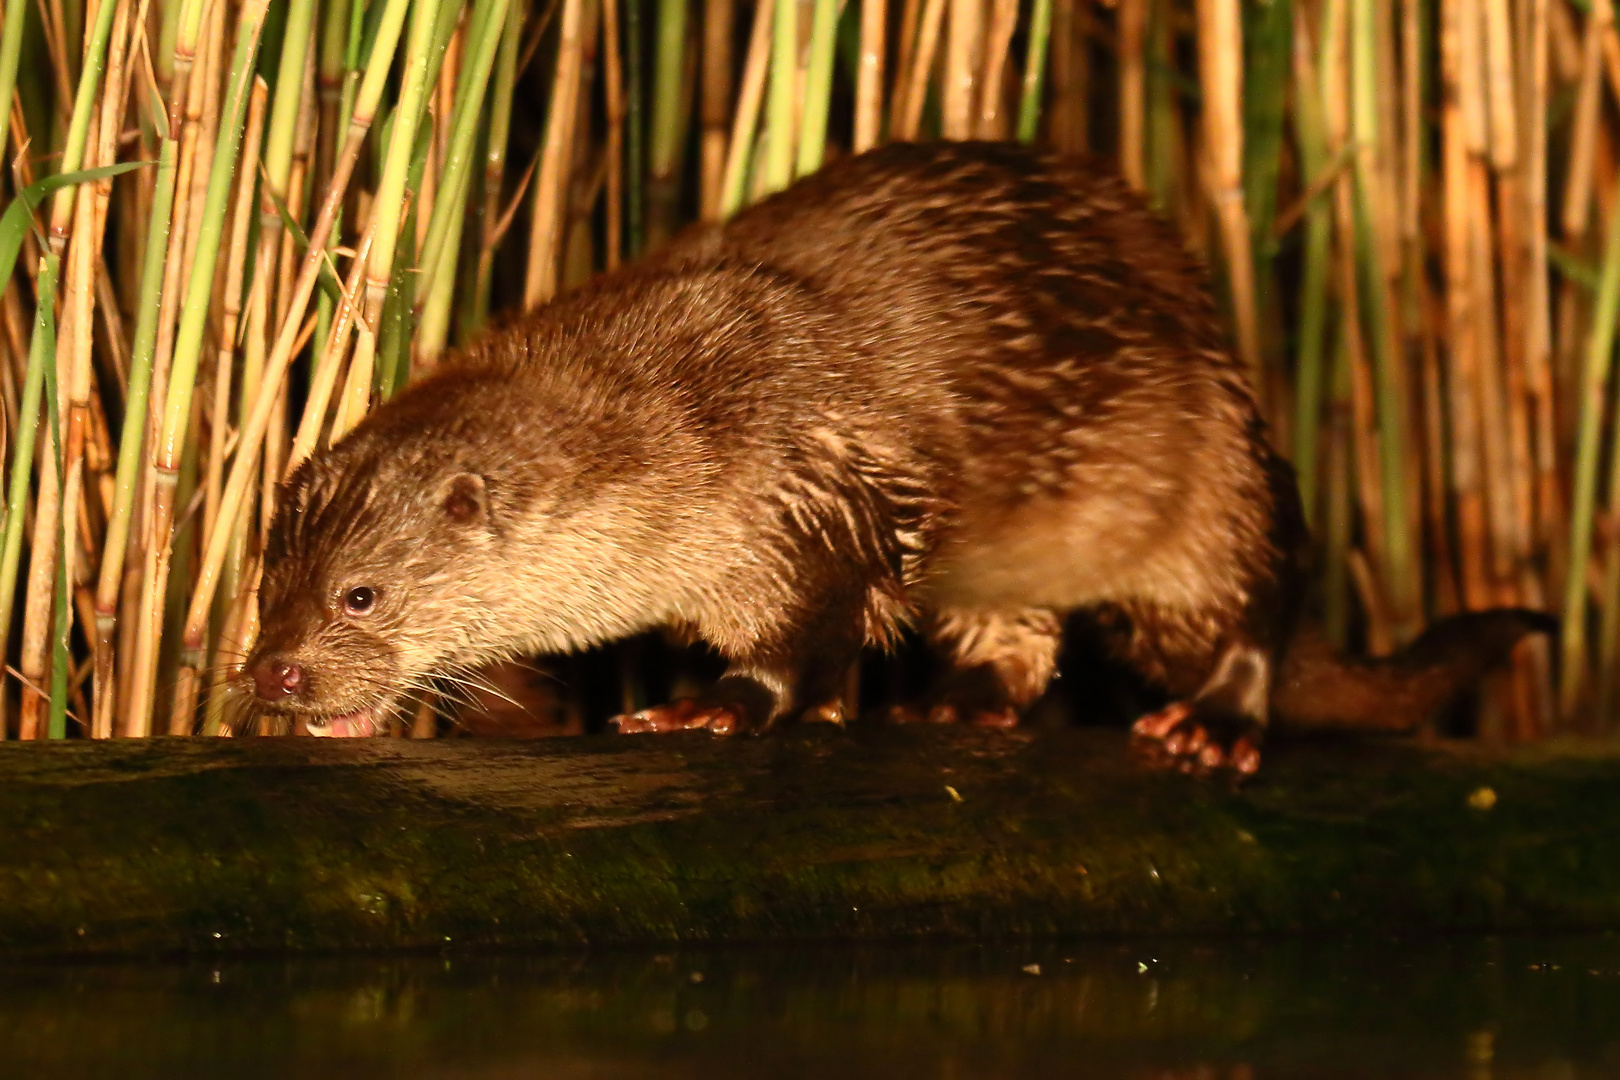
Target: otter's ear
[(464, 500)]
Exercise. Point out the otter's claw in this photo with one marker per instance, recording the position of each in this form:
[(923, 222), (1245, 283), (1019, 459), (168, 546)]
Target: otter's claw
[(684, 715)]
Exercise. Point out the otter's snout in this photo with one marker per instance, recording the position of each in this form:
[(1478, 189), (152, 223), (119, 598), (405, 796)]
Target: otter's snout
[(277, 679)]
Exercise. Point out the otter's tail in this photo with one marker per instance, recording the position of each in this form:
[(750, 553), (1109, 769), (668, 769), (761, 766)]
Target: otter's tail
[(1316, 689)]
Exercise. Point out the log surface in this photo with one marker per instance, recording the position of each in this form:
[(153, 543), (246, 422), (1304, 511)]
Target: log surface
[(170, 845)]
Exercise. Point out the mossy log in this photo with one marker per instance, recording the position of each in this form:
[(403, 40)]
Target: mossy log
[(215, 844)]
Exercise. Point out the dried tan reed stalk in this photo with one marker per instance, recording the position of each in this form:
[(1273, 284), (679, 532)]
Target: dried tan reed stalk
[(1220, 69), (1549, 507), (1133, 16), (745, 123), (991, 121), (717, 33), (915, 77), (545, 237), (613, 95), (963, 46), (906, 53), (1462, 340), (869, 78)]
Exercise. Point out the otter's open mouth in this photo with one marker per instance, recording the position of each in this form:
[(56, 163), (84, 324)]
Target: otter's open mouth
[(355, 725)]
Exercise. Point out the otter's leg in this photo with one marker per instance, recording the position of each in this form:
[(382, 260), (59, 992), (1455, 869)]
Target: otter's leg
[(1219, 726), (800, 670), (1220, 658), (1217, 665), (1001, 661)]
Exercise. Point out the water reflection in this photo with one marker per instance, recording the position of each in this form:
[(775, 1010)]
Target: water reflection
[(1466, 1008)]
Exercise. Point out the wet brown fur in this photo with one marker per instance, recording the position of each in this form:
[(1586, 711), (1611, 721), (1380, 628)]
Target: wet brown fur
[(961, 386)]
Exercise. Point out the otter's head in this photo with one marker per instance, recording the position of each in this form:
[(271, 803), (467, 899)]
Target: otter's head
[(474, 517), (386, 562), (363, 592)]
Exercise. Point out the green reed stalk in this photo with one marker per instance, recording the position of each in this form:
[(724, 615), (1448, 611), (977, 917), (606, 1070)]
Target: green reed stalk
[(168, 39), (56, 717), (818, 87), (85, 104), (394, 329), (745, 121), (669, 67), (1029, 105), (778, 162), (394, 334), (500, 127), (332, 81), (436, 286), (1588, 448), (485, 34), (433, 325), (389, 204), (61, 654), (1391, 417), (362, 39), (1311, 135), (11, 42), (444, 29), (449, 17), (1608, 650), (281, 130), (1265, 96)]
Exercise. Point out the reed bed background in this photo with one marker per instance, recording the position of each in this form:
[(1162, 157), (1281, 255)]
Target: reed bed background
[(236, 225)]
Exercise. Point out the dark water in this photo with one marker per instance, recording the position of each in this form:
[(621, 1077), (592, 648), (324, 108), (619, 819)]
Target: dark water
[(1474, 1008)]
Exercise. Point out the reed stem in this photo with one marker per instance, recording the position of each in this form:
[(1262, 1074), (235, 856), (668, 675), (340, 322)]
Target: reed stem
[(1029, 105), (779, 141), (1595, 377), (170, 446), (818, 88), (487, 25)]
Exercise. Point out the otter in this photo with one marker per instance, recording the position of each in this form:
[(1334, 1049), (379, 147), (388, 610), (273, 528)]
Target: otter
[(963, 387)]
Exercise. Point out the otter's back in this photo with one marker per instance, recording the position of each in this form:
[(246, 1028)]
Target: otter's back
[(1075, 333)]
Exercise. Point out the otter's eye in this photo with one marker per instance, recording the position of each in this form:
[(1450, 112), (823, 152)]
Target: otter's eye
[(359, 601)]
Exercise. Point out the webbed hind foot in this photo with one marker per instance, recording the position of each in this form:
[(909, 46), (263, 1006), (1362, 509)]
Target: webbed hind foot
[(1183, 736)]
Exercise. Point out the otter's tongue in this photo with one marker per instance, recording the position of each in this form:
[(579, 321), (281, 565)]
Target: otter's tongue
[(355, 725)]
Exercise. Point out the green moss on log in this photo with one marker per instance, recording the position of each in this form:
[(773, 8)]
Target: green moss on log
[(200, 845)]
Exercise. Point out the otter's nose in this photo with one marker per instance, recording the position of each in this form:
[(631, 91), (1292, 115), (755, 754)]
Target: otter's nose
[(277, 678)]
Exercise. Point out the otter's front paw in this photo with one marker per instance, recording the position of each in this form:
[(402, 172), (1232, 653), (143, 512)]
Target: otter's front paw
[(683, 715), (1179, 736)]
